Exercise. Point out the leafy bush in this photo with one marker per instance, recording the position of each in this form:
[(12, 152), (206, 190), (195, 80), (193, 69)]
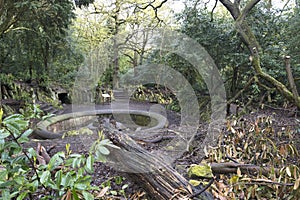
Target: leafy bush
[(66, 176)]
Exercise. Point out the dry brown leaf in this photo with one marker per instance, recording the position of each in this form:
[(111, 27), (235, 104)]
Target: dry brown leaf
[(102, 192), (297, 183), (282, 150)]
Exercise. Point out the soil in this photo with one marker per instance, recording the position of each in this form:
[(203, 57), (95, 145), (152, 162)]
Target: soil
[(104, 173)]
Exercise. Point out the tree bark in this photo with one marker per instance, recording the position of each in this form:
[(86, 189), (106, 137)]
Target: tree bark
[(116, 45), (230, 167), (149, 171), (290, 77)]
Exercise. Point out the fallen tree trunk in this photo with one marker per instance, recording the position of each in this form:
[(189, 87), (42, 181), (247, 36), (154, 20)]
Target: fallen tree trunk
[(225, 168), (149, 171)]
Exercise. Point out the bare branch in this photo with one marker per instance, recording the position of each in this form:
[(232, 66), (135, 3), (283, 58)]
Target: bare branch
[(155, 8)]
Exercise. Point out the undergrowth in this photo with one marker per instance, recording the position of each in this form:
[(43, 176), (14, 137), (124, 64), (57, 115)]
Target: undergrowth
[(263, 144), (65, 176)]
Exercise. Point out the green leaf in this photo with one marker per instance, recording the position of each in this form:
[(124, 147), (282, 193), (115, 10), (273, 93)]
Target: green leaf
[(77, 162), (89, 164), (118, 180), (27, 132), (75, 195), (66, 180), (103, 150), (15, 130), (32, 152), (58, 178), (87, 195), (22, 195), (19, 180), (75, 155), (45, 176), (100, 157), (5, 194), (104, 142), (6, 184), (4, 134), (16, 122), (13, 117), (81, 186), (3, 175), (80, 172), (55, 161), (14, 194), (23, 139), (107, 142)]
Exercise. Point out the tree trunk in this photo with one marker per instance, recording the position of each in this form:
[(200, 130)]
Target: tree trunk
[(290, 77), (116, 65), (149, 171), (46, 56), (116, 46)]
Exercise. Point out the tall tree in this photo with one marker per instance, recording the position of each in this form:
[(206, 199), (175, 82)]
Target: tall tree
[(240, 12)]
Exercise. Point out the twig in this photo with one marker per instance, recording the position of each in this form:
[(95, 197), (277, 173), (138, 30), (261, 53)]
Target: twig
[(203, 189), (155, 8), (282, 109), (212, 11), (229, 158), (265, 181)]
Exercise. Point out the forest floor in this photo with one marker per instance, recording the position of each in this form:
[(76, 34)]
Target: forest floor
[(104, 174)]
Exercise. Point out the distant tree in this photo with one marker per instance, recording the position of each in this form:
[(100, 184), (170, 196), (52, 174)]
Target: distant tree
[(109, 20)]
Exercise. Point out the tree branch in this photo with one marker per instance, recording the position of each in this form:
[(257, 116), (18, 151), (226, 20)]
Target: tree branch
[(230, 167), (232, 8), (212, 11), (155, 8), (252, 44), (247, 9)]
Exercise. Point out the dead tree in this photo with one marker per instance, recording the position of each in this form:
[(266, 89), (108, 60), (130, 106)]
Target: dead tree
[(150, 171)]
